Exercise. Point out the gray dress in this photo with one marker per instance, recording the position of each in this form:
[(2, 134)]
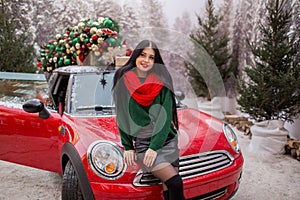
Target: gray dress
[(168, 153)]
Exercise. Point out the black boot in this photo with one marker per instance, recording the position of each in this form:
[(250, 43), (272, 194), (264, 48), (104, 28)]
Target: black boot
[(175, 188), (166, 195)]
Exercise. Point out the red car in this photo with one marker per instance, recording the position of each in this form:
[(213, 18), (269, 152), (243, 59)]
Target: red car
[(73, 132)]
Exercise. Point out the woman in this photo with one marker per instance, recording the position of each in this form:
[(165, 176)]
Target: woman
[(147, 117)]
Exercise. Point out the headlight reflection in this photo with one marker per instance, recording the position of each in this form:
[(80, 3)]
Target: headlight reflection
[(106, 159)]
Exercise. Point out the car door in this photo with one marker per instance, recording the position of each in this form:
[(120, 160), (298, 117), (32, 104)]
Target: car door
[(38, 141), (24, 137)]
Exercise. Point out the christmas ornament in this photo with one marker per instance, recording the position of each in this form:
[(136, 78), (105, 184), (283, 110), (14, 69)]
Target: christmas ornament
[(100, 36)]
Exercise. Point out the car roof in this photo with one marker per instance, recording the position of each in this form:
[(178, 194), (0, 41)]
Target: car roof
[(76, 69)]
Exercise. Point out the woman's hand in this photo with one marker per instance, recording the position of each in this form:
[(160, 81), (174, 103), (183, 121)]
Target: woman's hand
[(150, 157), (129, 157)]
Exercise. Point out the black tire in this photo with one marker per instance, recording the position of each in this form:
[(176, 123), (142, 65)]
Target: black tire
[(70, 185)]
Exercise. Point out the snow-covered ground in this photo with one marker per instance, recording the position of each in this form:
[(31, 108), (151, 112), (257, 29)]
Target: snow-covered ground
[(273, 177), (268, 177)]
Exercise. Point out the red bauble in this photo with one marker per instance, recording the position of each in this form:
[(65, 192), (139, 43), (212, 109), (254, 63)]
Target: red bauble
[(39, 65), (104, 44), (81, 56), (128, 52), (95, 37), (107, 31)]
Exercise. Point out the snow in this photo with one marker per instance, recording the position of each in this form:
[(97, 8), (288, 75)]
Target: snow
[(12, 102)]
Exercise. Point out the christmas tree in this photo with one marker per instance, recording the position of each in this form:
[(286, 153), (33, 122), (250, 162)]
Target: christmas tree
[(16, 54), (216, 45), (271, 89), (98, 40)]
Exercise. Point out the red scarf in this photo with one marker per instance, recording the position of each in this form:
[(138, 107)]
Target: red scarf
[(143, 93)]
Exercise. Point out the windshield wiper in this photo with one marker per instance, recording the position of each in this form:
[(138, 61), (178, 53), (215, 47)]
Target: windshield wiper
[(96, 107)]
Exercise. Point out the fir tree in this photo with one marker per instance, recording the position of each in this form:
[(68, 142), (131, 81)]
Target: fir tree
[(210, 38), (271, 90), (153, 22), (16, 55), (129, 24)]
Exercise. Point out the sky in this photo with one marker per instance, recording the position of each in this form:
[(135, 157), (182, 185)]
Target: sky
[(175, 8)]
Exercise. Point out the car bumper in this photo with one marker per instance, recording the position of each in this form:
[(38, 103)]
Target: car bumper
[(221, 184)]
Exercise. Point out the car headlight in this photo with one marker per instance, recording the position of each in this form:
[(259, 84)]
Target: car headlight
[(231, 138), (106, 159)]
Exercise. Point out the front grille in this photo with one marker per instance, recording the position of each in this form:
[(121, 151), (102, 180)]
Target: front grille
[(212, 195), (191, 166)]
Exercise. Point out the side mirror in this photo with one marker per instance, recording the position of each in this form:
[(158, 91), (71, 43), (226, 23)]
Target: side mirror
[(180, 95), (36, 106)]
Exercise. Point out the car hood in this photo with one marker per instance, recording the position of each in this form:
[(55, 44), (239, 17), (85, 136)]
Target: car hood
[(198, 132)]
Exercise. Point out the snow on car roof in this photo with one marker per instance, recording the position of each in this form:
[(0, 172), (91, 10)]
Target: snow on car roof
[(22, 76), (75, 69)]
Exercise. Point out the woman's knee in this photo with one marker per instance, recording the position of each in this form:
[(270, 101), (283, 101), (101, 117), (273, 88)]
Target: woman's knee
[(164, 171)]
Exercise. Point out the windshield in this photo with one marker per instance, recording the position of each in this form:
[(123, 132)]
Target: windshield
[(92, 94)]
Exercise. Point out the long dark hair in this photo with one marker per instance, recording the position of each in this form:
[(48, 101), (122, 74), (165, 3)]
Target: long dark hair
[(158, 68)]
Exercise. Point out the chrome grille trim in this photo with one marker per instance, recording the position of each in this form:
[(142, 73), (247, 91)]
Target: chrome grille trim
[(191, 166), (212, 195)]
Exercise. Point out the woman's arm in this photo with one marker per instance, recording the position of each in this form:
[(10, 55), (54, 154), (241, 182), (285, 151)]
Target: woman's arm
[(126, 140), (163, 121)]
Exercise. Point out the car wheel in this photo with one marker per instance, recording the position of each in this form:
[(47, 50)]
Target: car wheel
[(70, 184)]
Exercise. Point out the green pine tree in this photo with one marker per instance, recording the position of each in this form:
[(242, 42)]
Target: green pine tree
[(271, 90), (16, 55), (215, 42)]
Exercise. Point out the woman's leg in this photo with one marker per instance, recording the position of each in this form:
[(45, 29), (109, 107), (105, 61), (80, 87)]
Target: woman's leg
[(164, 185), (171, 180), (165, 188)]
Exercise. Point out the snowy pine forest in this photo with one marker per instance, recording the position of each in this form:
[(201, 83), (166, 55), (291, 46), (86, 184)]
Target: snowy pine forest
[(42, 20)]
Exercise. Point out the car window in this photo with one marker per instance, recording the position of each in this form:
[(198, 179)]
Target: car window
[(59, 86), (92, 94), (16, 88)]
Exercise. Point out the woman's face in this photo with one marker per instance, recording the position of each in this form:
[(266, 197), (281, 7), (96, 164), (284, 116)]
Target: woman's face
[(145, 62)]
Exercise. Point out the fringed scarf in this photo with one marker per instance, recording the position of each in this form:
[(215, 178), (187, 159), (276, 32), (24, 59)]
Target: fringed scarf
[(143, 93)]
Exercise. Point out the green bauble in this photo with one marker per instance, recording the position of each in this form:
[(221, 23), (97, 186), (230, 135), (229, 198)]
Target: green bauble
[(111, 41), (67, 61), (58, 49), (72, 34), (74, 41), (108, 23), (60, 63), (44, 63)]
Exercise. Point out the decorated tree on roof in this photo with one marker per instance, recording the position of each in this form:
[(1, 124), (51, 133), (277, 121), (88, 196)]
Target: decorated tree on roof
[(91, 42)]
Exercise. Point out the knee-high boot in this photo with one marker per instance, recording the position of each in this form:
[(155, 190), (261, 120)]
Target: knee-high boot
[(175, 188), (166, 195)]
